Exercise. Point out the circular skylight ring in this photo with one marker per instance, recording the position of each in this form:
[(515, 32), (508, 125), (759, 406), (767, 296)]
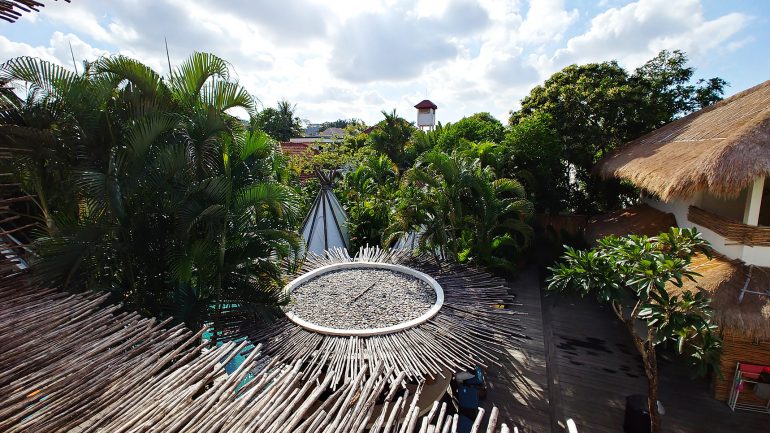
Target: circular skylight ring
[(430, 313)]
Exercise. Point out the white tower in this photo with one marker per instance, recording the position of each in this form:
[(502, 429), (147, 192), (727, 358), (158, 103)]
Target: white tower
[(426, 115)]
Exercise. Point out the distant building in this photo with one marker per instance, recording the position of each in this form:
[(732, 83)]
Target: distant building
[(426, 115), (313, 130), (303, 147), (333, 133)]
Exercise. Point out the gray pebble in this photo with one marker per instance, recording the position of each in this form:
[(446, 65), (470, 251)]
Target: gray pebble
[(361, 298)]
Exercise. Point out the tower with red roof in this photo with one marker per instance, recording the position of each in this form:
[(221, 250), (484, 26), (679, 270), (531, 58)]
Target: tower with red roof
[(426, 115)]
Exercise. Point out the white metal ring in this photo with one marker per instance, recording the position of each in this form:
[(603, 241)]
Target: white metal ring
[(432, 311)]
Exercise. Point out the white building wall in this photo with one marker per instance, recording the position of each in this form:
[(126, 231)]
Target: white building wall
[(426, 117), (759, 256)]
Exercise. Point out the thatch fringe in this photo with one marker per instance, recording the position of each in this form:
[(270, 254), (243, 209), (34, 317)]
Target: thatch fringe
[(723, 280), (722, 149)]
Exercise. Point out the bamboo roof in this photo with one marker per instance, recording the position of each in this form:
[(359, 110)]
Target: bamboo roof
[(746, 315), (722, 149), (72, 363), (476, 324)]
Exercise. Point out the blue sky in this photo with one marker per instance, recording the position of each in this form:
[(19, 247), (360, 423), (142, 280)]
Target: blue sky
[(350, 58)]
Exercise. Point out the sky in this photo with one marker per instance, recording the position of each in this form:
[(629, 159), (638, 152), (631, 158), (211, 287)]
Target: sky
[(355, 58)]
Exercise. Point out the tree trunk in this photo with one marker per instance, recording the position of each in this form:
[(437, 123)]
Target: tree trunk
[(646, 349), (651, 371)]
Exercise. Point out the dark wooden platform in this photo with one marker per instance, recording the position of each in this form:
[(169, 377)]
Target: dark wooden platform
[(580, 364), (519, 387)]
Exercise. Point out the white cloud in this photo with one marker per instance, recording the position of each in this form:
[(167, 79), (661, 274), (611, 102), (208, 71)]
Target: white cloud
[(634, 33), (57, 51), (352, 58), (399, 45), (547, 20)]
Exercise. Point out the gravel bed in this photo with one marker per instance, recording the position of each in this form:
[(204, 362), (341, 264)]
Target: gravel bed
[(361, 298)]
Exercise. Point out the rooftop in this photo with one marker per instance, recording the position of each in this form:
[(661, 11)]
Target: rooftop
[(722, 149), (426, 104)]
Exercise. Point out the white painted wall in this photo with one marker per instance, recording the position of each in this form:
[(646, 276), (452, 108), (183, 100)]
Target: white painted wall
[(759, 256), (732, 208), (426, 117)]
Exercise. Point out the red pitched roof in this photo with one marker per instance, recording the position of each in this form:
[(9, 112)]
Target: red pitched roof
[(426, 104), (294, 148)]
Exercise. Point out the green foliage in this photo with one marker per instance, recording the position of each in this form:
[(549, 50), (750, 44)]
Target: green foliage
[(480, 127), (596, 107), (279, 123), (340, 123), (147, 188), (462, 211), (532, 152), (391, 136), (636, 270), (398, 182), (367, 193)]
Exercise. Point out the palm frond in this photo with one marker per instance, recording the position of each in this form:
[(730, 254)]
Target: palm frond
[(188, 79), (274, 196), (138, 74), (224, 95), (39, 74)]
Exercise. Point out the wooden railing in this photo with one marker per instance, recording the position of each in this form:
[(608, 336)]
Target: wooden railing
[(740, 233)]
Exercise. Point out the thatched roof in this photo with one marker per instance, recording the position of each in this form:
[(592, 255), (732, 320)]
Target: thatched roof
[(721, 148), (640, 219), (723, 279)]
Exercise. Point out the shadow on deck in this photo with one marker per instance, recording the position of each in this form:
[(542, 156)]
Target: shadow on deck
[(580, 364)]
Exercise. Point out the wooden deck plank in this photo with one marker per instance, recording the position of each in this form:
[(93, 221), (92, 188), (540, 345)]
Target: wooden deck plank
[(519, 388), (598, 368), (579, 363)]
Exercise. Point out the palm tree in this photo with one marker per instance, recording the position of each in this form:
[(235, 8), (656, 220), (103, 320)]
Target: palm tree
[(128, 156), (238, 227), (391, 136), (368, 193), (461, 211), (501, 225)]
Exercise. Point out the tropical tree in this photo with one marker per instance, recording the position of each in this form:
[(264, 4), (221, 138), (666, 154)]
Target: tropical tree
[(340, 123), (633, 274), (126, 157), (462, 211), (391, 136), (368, 193), (532, 152), (280, 123), (236, 226), (480, 127), (501, 231), (598, 106)]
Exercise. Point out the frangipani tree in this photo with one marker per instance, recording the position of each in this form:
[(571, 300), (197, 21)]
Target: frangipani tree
[(632, 274)]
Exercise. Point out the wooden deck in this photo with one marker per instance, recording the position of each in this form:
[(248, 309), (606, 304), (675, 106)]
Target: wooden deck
[(580, 364), (519, 387)]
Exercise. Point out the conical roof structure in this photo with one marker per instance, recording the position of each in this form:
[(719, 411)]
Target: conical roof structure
[(325, 225)]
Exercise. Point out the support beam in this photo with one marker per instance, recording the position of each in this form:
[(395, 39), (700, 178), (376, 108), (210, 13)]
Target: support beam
[(753, 202)]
